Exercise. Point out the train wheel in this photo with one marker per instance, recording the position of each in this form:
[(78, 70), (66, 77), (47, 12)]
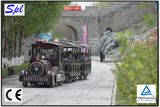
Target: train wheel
[(80, 77), (73, 79), (35, 83), (60, 83), (25, 83), (67, 76), (31, 83), (85, 76), (45, 83), (51, 85)]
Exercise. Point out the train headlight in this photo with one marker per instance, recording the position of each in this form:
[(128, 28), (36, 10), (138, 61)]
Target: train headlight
[(22, 71), (49, 72)]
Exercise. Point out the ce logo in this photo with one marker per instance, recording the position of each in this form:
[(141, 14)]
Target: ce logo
[(13, 94)]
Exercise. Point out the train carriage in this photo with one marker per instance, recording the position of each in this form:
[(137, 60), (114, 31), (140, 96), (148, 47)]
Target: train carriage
[(53, 63), (79, 65)]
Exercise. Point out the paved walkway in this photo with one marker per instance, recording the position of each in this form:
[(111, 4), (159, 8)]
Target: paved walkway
[(107, 60), (96, 90)]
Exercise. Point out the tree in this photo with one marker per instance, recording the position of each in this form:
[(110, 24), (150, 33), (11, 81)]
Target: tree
[(39, 17)]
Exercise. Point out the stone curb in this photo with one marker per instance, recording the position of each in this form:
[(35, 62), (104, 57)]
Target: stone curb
[(113, 101)]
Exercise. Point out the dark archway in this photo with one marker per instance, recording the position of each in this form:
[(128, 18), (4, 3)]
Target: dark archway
[(67, 31)]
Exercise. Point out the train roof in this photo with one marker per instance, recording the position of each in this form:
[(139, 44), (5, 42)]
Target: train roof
[(61, 43)]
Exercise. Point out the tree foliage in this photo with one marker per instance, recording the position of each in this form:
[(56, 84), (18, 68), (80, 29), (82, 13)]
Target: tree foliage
[(39, 17)]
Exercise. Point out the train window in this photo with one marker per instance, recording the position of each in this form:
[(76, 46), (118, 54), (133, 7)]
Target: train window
[(40, 53), (69, 49), (64, 49), (54, 54)]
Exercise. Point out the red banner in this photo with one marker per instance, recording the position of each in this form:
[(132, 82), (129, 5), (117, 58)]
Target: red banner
[(74, 8), (84, 36)]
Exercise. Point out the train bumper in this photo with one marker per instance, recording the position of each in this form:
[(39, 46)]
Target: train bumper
[(42, 79)]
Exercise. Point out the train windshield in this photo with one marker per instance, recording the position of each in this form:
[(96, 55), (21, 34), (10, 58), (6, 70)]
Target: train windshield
[(40, 53)]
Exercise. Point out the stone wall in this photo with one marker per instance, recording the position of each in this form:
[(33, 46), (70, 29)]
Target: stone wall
[(13, 61), (77, 18), (123, 16)]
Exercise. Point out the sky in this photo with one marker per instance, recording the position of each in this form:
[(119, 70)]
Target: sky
[(82, 4)]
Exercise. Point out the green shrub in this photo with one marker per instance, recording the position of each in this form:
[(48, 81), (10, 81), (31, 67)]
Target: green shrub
[(150, 19), (4, 72), (139, 66), (21, 67), (17, 69)]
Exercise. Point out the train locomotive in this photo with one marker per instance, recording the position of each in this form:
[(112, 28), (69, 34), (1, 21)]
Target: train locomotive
[(53, 63)]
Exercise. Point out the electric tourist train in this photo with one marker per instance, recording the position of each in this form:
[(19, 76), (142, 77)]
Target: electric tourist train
[(53, 63)]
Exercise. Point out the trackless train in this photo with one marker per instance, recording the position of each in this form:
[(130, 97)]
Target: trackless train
[(53, 63)]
